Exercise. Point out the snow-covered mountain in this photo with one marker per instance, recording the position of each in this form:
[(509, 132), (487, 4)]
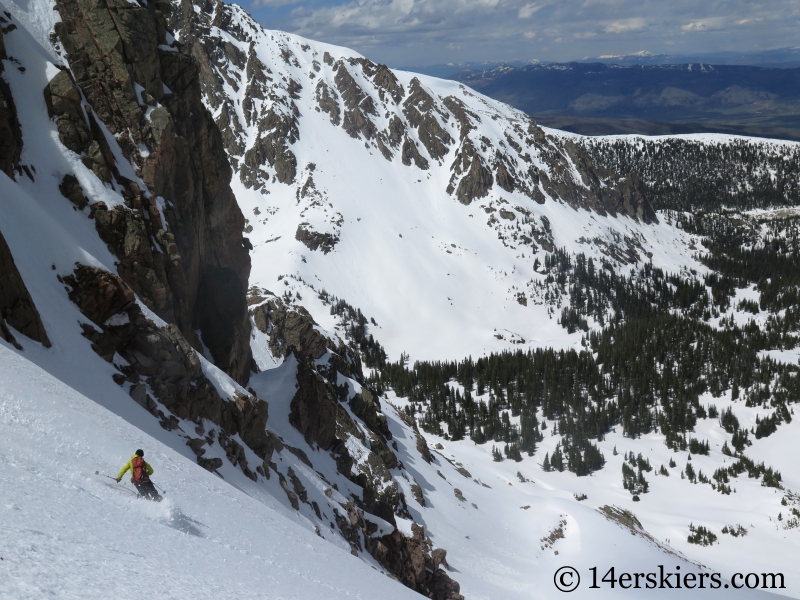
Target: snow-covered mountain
[(210, 232), (419, 201)]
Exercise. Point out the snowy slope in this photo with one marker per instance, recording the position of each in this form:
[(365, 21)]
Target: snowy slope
[(441, 278), (67, 533), (665, 512), (442, 275)]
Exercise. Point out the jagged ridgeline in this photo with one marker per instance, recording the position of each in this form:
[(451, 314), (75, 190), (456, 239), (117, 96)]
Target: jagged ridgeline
[(705, 171), (263, 86)]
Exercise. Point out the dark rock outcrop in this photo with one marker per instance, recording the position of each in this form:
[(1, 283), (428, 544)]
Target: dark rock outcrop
[(10, 134), (314, 240), (422, 446), (16, 305), (419, 108), (477, 179), (289, 328), (162, 359), (224, 320), (328, 101), (145, 89), (414, 564), (276, 123), (358, 105), (71, 189), (609, 193), (411, 155), (318, 412)]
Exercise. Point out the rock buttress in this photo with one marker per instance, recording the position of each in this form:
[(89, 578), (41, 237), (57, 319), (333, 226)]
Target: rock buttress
[(10, 135), (145, 89), (158, 360), (16, 305)]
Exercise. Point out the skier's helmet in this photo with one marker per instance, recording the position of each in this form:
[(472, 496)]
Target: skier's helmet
[(140, 452)]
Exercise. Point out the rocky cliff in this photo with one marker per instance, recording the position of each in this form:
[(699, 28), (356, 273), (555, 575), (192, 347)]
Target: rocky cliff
[(16, 305), (125, 108), (10, 135), (337, 414), (145, 163), (179, 236)]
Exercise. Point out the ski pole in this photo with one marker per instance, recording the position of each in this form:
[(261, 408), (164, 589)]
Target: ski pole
[(160, 489), (102, 475)]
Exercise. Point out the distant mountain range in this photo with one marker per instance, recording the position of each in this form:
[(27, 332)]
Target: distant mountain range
[(600, 98), (777, 58)]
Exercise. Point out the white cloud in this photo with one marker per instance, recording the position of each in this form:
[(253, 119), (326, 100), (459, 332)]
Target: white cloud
[(527, 11), (626, 25), (438, 31), (273, 3), (712, 24)]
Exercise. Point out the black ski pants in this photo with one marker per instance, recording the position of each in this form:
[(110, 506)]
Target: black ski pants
[(147, 490)]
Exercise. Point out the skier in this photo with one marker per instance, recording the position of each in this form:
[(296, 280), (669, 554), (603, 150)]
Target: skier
[(140, 476)]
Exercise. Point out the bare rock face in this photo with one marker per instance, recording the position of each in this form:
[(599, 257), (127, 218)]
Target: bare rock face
[(71, 189), (276, 132), (420, 108), (127, 68), (314, 240), (10, 134), (162, 359), (422, 447), (411, 155), (16, 305), (412, 561), (319, 408), (314, 409), (289, 328), (358, 105), (477, 181), (223, 320)]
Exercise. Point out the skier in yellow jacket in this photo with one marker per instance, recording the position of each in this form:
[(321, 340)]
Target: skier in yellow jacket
[(140, 476)]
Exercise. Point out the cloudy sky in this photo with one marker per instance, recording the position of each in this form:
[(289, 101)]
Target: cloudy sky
[(425, 32)]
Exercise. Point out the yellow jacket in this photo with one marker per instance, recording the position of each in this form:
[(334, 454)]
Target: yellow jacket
[(129, 467)]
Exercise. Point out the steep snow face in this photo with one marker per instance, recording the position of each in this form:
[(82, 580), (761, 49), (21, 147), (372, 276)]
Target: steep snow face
[(72, 534), (415, 199), (68, 533)]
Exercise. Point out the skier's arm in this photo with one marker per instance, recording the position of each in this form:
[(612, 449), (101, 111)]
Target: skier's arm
[(149, 468), (125, 469)]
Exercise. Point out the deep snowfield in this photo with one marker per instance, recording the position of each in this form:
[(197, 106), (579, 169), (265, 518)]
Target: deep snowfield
[(665, 512)]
